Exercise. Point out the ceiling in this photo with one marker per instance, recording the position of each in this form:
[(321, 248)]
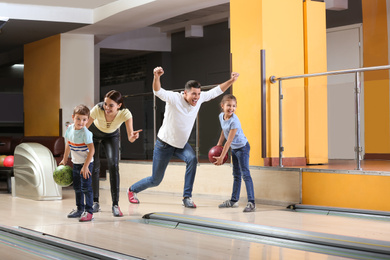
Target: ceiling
[(61, 3), (32, 20)]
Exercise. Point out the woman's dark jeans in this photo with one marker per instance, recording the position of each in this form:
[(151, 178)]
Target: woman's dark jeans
[(110, 143)]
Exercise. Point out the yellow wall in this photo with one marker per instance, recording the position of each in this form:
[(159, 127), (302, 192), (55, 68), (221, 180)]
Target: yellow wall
[(42, 87), (283, 43), (346, 190), (277, 26), (316, 87), (246, 43), (255, 26), (376, 83)]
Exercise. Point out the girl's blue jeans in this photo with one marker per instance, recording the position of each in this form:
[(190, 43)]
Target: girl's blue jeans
[(240, 159)]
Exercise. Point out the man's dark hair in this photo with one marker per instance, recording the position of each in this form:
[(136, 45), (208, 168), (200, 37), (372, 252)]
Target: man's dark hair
[(191, 84)]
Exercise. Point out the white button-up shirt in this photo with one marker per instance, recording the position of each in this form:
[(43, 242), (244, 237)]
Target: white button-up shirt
[(179, 116)]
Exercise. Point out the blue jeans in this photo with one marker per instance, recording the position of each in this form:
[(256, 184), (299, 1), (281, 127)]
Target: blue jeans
[(240, 158), (162, 153), (83, 188)]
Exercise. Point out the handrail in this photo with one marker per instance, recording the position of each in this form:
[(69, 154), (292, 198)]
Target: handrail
[(273, 79), (358, 148)]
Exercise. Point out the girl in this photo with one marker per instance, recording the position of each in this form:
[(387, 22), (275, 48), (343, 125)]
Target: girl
[(232, 131), (104, 122)]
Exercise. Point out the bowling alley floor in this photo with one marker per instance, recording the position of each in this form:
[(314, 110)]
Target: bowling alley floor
[(128, 235), (365, 165)]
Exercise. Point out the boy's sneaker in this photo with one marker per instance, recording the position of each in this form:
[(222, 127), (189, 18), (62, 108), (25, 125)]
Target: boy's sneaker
[(188, 203), (250, 207), (116, 211), (228, 204), (132, 196), (86, 217), (95, 207), (75, 214)]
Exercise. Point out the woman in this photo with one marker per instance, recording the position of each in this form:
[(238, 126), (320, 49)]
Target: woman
[(104, 122)]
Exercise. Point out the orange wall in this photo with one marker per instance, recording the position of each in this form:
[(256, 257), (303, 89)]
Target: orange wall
[(376, 83), (254, 26), (278, 27), (283, 41), (42, 87), (316, 106), (346, 190), (246, 43)]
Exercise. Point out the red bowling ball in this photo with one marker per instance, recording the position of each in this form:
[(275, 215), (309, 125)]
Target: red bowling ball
[(216, 152), (9, 161)]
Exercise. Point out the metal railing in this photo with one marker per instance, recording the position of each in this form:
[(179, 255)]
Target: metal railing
[(358, 148)]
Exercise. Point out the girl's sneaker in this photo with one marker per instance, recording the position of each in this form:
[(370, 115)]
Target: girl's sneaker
[(228, 204), (188, 203), (95, 207), (86, 217), (250, 207)]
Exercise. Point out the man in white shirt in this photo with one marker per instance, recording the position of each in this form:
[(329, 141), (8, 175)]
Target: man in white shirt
[(181, 111)]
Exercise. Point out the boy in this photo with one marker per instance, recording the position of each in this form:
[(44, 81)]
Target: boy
[(80, 145)]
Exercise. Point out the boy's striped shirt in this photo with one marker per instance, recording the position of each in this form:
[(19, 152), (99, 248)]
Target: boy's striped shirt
[(77, 141)]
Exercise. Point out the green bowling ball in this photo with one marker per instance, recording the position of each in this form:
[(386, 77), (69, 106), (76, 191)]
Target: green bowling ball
[(63, 175)]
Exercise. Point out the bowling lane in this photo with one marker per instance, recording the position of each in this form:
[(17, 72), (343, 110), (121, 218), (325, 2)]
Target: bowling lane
[(153, 242), (127, 236)]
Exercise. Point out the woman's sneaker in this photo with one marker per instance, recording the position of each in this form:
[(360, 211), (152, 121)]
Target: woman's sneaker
[(116, 211), (188, 203), (86, 217), (228, 204), (132, 196), (75, 213), (250, 207)]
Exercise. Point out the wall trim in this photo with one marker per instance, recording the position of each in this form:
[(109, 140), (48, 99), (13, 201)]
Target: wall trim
[(377, 156), (288, 161)]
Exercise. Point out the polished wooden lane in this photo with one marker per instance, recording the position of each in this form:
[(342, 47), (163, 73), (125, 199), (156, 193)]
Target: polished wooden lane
[(127, 236), (7, 252)]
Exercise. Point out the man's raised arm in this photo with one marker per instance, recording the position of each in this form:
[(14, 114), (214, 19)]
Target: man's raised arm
[(157, 72), (224, 86)]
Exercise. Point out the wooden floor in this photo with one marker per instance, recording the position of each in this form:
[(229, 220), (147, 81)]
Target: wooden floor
[(366, 165), (127, 236)]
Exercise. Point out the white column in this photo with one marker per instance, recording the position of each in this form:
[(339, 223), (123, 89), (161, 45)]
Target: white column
[(77, 73)]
